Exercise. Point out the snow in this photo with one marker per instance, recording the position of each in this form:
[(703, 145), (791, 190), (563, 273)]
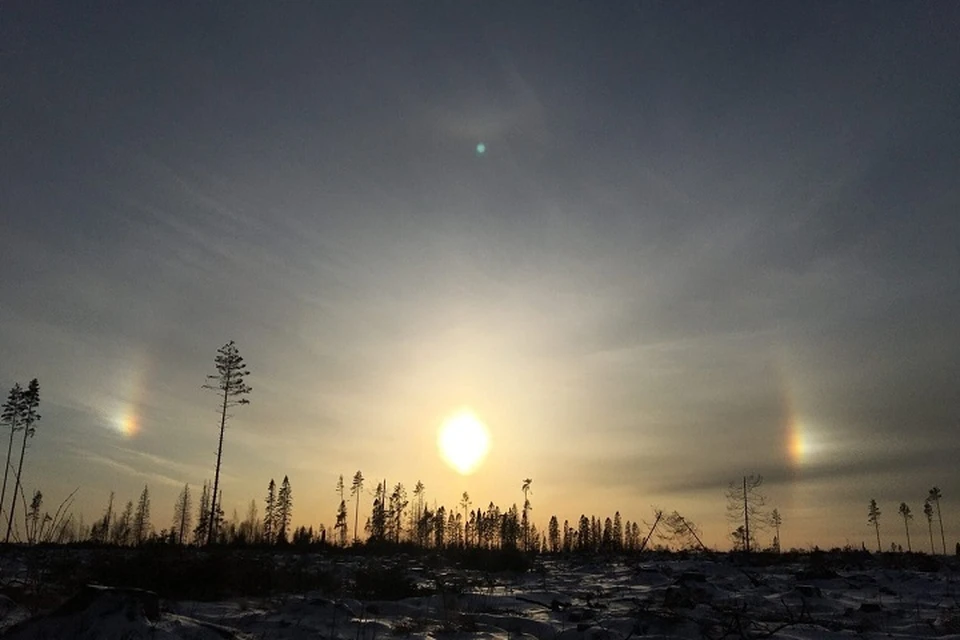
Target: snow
[(561, 599)]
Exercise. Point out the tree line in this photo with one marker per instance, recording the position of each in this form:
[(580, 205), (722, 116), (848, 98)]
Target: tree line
[(931, 505), (395, 517)]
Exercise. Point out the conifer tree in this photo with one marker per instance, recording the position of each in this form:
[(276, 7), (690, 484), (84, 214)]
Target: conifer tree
[(439, 527), (777, 522), (284, 510), (270, 513), (416, 517), (904, 511), (873, 517), (553, 530), (100, 531), (934, 497), (141, 519), (12, 419), (182, 518), (525, 522), (29, 403), (122, 526), (200, 532), (356, 488), (398, 503), (617, 532), (229, 383), (341, 525), (928, 512), (465, 503)]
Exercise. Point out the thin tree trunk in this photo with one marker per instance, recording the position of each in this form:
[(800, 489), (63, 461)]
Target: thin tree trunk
[(6, 467), (943, 540), (877, 527), (211, 531), (356, 518), (16, 486), (906, 525), (746, 518), (930, 529)]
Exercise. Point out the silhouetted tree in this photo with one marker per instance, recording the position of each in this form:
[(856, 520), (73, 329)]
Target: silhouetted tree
[(873, 517), (465, 503), (100, 531), (34, 524), (356, 488), (553, 530), (341, 526), (11, 418), (141, 519), (121, 529), (270, 513), (203, 516), (398, 502), (934, 497), (776, 521), (377, 527), (745, 504), (907, 517), (29, 403), (284, 510), (682, 531), (182, 518), (928, 512), (417, 517), (617, 532), (525, 522), (229, 383), (439, 527)]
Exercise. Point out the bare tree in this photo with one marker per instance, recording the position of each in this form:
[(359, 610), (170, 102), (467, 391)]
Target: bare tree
[(934, 497), (907, 517), (745, 504), (229, 383), (873, 517)]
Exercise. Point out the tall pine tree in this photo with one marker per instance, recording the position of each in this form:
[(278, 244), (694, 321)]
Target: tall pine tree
[(11, 418), (284, 510), (228, 382), (29, 403), (270, 513)]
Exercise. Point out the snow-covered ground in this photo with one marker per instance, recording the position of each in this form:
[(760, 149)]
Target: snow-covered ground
[(657, 597)]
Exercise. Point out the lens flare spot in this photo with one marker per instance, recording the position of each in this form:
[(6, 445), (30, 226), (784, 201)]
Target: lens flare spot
[(463, 441), (481, 148)]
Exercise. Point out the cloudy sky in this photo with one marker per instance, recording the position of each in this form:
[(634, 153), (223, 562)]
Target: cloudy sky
[(701, 241)]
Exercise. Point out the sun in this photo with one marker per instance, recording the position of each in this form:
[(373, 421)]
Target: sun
[(463, 441)]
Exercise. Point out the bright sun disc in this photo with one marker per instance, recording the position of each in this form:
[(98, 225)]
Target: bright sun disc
[(463, 442)]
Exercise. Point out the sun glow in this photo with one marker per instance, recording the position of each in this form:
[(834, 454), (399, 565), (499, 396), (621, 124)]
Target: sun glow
[(463, 441)]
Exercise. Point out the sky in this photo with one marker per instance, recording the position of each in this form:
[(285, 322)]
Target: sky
[(700, 241)]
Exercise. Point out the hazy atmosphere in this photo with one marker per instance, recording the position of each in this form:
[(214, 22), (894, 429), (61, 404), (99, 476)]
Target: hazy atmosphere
[(652, 246)]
